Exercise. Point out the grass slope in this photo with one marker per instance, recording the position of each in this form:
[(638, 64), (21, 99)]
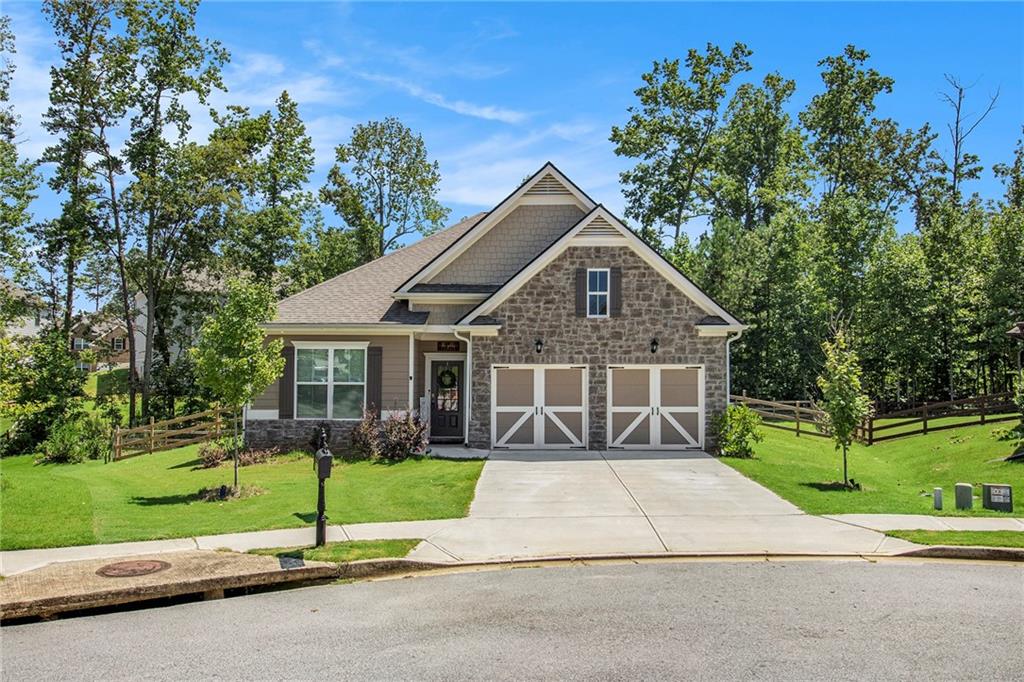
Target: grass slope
[(341, 552), (897, 476), (152, 497), (979, 538)]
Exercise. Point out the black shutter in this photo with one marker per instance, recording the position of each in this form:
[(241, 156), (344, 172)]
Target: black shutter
[(615, 292), (374, 370), (286, 385), (581, 292)]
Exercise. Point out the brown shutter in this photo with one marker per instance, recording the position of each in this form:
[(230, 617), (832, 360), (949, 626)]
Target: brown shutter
[(581, 292), (615, 292), (374, 372), (286, 385)]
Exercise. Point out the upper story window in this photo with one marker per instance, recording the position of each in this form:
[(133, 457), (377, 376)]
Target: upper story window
[(597, 292), (330, 383), (119, 344), (81, 344)]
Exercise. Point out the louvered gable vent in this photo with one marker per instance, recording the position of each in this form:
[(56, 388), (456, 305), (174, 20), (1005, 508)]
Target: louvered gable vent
[(599, 227), (548, 186)]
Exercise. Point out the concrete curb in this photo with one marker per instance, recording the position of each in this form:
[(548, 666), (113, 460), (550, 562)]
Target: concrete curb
[(970, 552)]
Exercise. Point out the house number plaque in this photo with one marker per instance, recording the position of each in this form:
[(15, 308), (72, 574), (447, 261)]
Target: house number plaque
[(447, 346)]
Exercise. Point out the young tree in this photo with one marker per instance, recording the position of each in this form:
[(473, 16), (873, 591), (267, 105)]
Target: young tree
[(389, 189), (844, 403), (672, 134), (233, 359)]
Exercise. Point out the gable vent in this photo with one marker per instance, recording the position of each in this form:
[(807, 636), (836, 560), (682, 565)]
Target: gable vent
[(548, 186), (599, 227)]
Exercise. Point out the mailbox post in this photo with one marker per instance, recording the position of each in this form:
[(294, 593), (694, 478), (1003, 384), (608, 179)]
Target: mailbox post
[(322, 462)]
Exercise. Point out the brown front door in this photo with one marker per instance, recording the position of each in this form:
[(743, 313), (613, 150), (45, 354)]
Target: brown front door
[(446, 409)]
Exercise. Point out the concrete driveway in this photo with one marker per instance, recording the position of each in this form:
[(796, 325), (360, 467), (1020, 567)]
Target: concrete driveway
[(560, 503)]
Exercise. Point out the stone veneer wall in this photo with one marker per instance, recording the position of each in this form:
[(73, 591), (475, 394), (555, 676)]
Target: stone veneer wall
[(298, 434), (545, 308)]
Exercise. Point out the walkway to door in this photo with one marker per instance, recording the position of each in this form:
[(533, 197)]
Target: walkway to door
[(566, 502)]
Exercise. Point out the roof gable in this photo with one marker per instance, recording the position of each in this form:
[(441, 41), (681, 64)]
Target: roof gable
[(601, 227), (547, 186)]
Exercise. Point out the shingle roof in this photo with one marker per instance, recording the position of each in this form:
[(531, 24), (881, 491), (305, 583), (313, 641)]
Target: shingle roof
[(711, 319), (363, 295)]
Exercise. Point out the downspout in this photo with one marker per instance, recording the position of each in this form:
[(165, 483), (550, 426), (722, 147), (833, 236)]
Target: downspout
[(412, 371), (469, 384), (728, 366)]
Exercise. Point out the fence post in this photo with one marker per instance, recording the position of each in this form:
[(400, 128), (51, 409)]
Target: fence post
[(924, 416), (871, 429), (152, 436), (216, 426), (797, 412), (981, 403)]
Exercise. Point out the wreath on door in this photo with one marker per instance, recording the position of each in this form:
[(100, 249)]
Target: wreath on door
[(446, 379)]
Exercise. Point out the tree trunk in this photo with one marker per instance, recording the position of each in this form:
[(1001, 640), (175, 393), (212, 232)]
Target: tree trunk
[(234, 424), (846, 477)]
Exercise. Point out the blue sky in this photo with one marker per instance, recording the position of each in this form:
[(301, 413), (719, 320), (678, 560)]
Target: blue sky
[(497, 89)]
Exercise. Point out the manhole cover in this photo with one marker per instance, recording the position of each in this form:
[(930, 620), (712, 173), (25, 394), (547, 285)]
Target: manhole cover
[(130, 569)]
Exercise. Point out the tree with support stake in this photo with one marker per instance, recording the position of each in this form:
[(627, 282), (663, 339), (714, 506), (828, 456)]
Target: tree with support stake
[(844, 403), (232, 358)]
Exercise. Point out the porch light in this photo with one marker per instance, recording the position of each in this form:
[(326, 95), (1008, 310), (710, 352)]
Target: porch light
[(538, 345), (654, 345)]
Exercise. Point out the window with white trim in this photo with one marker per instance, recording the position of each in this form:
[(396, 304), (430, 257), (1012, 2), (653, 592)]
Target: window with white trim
[(330, 383), (597, 292), (80, 343), (119, 344)]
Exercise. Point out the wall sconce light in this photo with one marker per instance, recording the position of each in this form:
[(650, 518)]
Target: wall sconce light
[(654, 345), (538, 345)]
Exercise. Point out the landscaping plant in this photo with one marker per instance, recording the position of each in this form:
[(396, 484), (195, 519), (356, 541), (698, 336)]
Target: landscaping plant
[(393, 439), (736, 430), (232, 360), (844, 402)]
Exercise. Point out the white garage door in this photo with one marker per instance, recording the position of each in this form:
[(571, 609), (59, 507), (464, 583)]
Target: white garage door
[(538, 406), (656, 407)]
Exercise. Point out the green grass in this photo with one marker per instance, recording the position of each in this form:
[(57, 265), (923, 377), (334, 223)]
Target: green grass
[(342, 552), (980, 538), (152, 497), (897, 477)]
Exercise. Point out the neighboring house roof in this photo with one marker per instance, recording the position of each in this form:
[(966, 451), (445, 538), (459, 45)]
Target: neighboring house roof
[(363, 295)]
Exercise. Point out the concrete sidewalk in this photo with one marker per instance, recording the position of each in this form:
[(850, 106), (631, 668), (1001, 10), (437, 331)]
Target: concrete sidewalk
[(884, 522)]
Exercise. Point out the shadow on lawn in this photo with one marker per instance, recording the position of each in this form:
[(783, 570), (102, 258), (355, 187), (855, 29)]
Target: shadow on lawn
[(831, 487), (307, 517), (161, 500)]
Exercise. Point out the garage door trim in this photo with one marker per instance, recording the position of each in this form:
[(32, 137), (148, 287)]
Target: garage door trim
[(539, 410), (656, 411)]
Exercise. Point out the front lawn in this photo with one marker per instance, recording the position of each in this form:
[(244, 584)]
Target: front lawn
[(979, 538), (342, 552), (897, 477), (153, 497)]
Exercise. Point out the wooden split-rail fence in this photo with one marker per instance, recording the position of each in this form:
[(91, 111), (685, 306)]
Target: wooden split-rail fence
[(157, 436), (804, 417)]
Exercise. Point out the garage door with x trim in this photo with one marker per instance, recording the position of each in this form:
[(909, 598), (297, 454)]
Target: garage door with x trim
[(656, 406), (539, 406)]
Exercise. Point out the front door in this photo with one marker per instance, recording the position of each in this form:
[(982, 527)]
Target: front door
[(446, 408)]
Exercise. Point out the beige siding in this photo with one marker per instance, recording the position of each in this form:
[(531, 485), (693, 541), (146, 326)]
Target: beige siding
[(445, 314), (510, 244), (394, 375)]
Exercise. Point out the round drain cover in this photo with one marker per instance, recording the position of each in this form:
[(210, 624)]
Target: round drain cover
[(130, 569)]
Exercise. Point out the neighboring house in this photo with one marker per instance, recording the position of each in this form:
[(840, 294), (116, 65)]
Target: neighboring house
[(30, 314), (108, 341), (543, 323)]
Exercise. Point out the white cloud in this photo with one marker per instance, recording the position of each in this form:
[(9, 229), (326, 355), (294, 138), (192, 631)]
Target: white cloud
[(485, 111)]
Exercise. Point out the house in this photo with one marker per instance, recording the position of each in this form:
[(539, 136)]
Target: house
[(24, 314), (107, 339), (542, 323)]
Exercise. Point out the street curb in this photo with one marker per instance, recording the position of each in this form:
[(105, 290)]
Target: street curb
[(970, 552)]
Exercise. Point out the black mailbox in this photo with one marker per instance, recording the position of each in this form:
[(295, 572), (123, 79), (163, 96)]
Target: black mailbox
[(322, 462)]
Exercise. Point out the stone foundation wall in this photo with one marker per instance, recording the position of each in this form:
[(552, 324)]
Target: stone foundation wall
[(544, 308), (298, 434)]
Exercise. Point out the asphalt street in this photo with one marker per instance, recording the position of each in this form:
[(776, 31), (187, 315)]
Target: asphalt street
[(797, 620)]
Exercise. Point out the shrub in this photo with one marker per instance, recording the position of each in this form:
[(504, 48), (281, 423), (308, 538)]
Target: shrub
[(737, 429), (366, 437), (402, 436), (76, 439), (393, 439), (212, 454), (255, 456)]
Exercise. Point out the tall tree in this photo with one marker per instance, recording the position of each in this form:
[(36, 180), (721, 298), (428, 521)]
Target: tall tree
[(321, 253), (275, 205), (18, 180), (98, 278), (671, 133), (384, 186), (169, 215)]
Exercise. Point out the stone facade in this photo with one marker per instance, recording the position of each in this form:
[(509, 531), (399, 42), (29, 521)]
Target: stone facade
[(544, 308), (298, 434), (509, 245)]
